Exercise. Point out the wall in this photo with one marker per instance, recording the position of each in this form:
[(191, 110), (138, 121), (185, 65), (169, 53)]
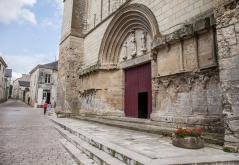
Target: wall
[(66, 23), (186, 84), (227, 14), (98, 10), (2, 83), (170, 15), (34, 86), (70, 61), (101, 93), (15, 89), (92, 45)]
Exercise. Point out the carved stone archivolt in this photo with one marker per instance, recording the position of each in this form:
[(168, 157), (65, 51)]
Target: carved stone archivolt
[(125, 23)]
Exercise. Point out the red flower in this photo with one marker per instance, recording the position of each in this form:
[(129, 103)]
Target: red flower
[(184, 132)]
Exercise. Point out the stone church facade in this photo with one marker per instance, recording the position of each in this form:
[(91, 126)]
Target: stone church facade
[(173, 62)]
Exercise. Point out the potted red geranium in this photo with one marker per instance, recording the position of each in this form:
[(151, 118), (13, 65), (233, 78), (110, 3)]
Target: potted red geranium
[(188, 138)]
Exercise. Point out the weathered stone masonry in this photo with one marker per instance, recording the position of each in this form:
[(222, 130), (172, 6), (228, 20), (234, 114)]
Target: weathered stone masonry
[(192, 49), (227, 19)]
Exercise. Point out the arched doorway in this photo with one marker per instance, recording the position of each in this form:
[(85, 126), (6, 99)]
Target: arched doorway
[(126, 45)]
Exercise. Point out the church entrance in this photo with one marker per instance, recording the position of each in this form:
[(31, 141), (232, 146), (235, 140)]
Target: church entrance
[(138, 92)]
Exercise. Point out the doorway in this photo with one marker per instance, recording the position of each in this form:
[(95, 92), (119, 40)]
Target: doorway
[(143, 105), (48, 97), (138, 93)]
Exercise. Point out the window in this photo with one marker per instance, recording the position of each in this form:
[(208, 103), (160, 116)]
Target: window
[(47, 78)]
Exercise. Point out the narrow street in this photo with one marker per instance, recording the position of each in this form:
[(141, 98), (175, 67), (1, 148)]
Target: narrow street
[(27, 137)]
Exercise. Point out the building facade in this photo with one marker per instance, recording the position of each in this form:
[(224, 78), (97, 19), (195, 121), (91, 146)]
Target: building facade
[(173, 62), (3, 84), (20, 87), (8, 78), (43, 84)]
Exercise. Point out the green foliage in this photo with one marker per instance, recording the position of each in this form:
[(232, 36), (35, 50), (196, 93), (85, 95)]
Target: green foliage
[(229, 149)]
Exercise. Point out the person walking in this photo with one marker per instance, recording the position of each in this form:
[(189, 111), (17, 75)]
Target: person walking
[(45, 106)]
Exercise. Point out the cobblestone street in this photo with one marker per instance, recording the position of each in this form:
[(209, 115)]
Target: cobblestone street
[(28, 137)]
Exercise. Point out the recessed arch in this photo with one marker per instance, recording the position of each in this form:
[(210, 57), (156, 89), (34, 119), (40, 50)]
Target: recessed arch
[(132, 17)]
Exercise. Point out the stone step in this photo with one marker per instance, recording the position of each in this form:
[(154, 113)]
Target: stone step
[(138, 125), (99, 156), (116, 152), (93, 139), (78, 155), (147, 126)]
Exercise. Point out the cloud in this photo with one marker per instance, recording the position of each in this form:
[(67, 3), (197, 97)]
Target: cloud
[(60, 6), (24, 63), (54, 21), (16, 75), (15, 10)]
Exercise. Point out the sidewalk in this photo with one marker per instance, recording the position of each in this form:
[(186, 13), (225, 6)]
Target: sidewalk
[(155, 148)]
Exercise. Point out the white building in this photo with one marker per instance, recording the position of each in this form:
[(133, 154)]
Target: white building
[(3, 66), (43, 84), (21, 87)]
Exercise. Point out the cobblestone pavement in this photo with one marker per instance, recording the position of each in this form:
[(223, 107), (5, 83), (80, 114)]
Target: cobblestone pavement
[(27, 137)]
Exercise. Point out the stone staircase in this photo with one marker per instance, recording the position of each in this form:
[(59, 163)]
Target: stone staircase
[(145, 125), (90, 148), (98, 151)]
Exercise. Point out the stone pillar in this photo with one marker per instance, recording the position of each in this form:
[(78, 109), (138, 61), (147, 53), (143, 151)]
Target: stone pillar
[(71, 54), (227, 29)]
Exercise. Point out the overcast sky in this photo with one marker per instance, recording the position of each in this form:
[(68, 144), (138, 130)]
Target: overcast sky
[(29, 32)]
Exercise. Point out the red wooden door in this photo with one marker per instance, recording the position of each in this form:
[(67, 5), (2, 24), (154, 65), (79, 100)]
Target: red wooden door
[(137, 81)]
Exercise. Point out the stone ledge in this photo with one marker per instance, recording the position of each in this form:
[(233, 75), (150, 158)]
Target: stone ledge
[(95, 68)]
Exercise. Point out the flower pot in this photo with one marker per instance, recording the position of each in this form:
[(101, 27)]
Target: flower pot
[(188, 142)]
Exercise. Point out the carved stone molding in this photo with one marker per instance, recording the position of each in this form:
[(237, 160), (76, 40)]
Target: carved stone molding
[(131, 17)]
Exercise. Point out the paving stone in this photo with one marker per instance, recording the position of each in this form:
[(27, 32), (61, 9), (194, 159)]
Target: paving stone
[(28, 137)]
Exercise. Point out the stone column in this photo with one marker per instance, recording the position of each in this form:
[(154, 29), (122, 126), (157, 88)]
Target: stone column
[(227, 29), (71, 54)]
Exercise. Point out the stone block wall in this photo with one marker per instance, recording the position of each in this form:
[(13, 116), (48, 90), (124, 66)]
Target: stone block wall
[(227, 19), (92, 43), (101, 93), (66, 23), (186, 85), (170, 15), (71, 52), (98, 10)]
